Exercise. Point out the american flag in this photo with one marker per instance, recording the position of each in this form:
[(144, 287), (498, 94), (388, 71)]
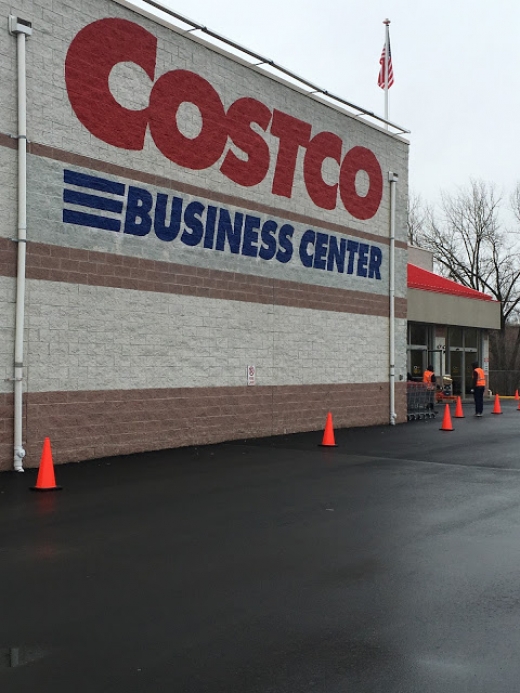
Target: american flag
[(381, 77)]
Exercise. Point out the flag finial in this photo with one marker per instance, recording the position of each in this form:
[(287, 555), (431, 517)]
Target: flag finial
[(387, 22)]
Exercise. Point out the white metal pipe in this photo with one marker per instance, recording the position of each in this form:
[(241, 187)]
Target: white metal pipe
[(393, 178), (19, 451)]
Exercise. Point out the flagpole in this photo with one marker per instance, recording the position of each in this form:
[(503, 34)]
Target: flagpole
[(387, 50)]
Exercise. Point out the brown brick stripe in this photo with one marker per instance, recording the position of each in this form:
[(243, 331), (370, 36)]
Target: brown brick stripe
[(8, 141), (88, 425), (59, 264), (6, 431), (162, 182)]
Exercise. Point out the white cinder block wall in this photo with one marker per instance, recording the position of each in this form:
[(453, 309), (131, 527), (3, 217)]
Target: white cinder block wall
[(136, 336)]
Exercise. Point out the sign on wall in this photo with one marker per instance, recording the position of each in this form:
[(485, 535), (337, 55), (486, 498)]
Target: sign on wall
[(106, 43), (103, 203)]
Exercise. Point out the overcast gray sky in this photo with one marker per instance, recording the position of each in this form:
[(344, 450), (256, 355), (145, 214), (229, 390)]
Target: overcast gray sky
[(455, 66)]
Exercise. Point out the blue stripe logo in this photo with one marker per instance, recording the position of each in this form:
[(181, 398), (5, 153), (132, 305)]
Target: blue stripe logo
[(73, 196)]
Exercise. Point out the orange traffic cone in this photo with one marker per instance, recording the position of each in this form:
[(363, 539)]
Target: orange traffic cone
[(496, 408), (459, 413), (517, 396), (446, 421), (328, 434), (46, 480)]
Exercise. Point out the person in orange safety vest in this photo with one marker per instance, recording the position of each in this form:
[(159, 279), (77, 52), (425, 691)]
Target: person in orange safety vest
[(430, 380), (479, 385), (429, 376)]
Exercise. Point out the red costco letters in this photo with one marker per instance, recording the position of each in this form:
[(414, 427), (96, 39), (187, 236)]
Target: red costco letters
[(100, 46)]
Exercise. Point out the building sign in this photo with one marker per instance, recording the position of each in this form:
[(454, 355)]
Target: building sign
[(245, 124), (110, 205)]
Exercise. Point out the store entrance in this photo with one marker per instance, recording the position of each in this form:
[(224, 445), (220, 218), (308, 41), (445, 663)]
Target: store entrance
[(457, 371), (461, 370), (417, 363)]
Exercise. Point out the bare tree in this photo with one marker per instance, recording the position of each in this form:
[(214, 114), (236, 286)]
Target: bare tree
[(471, 247), (416, 218)]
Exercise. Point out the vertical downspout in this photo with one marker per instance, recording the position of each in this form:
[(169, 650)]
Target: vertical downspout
[(393, 178), (21, 29)]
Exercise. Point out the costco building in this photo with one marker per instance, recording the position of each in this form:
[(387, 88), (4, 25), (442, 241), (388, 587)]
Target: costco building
[(192, 248)]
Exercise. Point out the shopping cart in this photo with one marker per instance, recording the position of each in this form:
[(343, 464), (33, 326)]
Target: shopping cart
[(445, 394), (420, 399)]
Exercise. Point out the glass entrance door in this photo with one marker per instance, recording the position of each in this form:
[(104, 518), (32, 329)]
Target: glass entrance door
[(457, 371), (417, 363)]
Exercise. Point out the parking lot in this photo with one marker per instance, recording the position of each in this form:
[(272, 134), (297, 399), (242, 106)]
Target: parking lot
[(387, 564)]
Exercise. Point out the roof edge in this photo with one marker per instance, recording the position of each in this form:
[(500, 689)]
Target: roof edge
[(423, 280)]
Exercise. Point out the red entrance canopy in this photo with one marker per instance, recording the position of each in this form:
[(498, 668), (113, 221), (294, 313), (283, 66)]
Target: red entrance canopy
[(419, 278)]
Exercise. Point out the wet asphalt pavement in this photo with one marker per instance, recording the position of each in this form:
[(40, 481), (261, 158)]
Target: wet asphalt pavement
[(390, 564)]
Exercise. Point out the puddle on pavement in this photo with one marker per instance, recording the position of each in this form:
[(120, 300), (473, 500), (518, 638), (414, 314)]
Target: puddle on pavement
[(46, 504), (12, 657)]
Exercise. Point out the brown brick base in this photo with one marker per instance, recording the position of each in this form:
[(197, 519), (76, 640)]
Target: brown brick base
[(88, 425)]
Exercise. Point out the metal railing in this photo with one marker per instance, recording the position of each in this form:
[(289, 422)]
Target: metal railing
[(266, 64)]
